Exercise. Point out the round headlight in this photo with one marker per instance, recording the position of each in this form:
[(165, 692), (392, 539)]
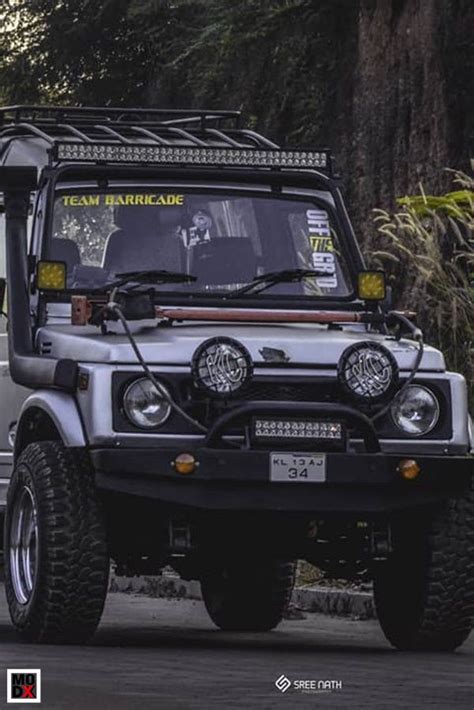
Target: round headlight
[(144, 405), (368, 372), (415, 411)]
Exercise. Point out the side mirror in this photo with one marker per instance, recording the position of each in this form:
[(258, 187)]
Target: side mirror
[(3, 290)]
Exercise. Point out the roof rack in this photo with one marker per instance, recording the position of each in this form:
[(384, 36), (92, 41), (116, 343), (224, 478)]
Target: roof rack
[(129, 126), (84, 114), (103, 135)]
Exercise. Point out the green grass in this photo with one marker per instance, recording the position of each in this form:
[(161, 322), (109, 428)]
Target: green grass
[(427, 249)]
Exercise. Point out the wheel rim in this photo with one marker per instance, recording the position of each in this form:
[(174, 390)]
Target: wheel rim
[(24, 545)]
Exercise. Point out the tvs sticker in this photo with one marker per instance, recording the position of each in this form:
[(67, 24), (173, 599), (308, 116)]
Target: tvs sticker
[(23, 685)]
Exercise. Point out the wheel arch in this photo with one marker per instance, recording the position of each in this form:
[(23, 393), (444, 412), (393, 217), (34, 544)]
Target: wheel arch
[(49, 416)]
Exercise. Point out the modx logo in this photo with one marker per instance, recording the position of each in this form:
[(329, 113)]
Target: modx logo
[(23, 685)]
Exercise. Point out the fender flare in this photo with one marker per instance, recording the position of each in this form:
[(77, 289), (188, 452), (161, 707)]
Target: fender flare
[(63, 411)]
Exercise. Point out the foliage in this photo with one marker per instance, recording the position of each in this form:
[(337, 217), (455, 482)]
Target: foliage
[(181, 53), (214, 54), (70, 50), (428, 250)]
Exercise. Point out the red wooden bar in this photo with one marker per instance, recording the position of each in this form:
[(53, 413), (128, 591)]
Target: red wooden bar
[(260, 316)]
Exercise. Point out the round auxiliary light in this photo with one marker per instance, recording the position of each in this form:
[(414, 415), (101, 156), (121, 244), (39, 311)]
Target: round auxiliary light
[(144, 406), (415, 410), (368, 372), (221, 366)]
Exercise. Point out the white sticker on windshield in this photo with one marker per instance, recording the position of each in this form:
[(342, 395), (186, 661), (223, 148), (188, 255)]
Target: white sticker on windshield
[(322, 247)]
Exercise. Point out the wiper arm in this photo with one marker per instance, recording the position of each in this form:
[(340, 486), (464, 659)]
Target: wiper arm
[(152, 276), (264, 281)]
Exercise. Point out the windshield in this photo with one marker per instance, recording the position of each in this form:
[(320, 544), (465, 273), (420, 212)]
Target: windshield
[(223, 238)]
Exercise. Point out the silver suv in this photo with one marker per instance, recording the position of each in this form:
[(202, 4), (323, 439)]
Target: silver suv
[(202, 373)]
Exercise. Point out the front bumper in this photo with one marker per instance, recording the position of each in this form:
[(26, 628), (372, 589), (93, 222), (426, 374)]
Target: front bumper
[(228, 479)]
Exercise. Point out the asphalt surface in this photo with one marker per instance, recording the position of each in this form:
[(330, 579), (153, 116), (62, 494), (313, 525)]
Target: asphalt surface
[(157, 653)]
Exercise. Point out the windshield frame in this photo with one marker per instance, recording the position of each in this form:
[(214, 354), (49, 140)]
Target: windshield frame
[(231, 184)]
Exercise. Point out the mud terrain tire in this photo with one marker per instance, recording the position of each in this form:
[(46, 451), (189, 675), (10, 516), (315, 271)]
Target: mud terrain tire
[(57, 591), (248, 595), (424, 594)]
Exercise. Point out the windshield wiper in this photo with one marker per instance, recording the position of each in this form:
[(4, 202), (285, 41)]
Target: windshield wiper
[(264, 281), (152, 276)]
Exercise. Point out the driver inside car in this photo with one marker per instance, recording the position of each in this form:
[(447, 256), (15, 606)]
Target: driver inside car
[(200, 231)]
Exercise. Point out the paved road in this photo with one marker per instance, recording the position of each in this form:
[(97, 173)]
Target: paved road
[(155, 653)]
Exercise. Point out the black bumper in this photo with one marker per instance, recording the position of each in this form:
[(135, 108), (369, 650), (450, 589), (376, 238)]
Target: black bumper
[(240, 480)]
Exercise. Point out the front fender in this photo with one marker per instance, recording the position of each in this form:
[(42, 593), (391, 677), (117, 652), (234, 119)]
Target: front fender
[(62, 410)]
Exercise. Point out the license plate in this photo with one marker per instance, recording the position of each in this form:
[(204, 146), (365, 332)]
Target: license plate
[(297, 468)]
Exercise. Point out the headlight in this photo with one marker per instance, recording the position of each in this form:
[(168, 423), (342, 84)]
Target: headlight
[(415, 411), (144, 405), (368, 372)]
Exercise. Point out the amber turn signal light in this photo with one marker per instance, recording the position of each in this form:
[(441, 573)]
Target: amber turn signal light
[(185, 464), (408, 469)]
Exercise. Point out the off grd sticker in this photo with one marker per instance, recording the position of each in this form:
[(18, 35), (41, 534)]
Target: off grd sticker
[(322, 247), (115, 200)]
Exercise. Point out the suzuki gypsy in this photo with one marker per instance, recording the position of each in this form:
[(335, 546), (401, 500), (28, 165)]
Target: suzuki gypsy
[(203, 374)]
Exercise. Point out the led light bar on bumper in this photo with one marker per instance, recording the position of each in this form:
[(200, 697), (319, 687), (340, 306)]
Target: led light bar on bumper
[(174, 155), (271, 429)]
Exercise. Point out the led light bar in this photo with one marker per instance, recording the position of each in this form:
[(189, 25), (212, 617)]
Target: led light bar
[(175, 155), (297, 429)]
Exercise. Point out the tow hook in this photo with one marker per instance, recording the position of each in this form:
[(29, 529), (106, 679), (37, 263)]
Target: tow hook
[(380, 542)]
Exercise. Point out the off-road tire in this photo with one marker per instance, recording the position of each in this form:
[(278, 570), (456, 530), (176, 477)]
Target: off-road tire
[(70, 586), (248, 595), (424, 593)]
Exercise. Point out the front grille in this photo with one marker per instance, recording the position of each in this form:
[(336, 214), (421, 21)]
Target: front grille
[(271, 390), (207, 409), (288, 392)]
